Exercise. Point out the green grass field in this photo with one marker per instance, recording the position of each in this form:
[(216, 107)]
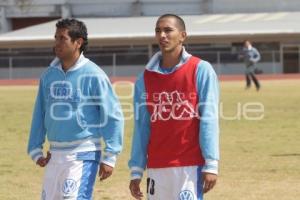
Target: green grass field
[(260, 159)]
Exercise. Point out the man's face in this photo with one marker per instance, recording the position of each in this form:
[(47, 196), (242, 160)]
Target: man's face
[(168, 34), (64, 46), (247, 44)]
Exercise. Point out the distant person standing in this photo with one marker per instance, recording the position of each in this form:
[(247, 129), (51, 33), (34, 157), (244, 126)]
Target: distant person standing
[(75, 108), (251, 56)]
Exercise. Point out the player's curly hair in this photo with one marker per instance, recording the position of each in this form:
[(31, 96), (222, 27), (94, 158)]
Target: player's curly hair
[(77, 29)]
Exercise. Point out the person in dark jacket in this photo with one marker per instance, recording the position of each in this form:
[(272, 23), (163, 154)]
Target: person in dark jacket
[(251, 56)]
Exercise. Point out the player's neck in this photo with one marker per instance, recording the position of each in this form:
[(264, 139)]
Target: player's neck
[(172, 58), (70, 62)]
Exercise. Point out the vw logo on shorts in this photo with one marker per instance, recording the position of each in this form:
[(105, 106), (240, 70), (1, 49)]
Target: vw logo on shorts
[(69, 186), (186, 195)]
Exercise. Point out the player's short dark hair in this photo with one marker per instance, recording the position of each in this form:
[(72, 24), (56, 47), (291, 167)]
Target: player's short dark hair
[(179, 20), (77, 29)]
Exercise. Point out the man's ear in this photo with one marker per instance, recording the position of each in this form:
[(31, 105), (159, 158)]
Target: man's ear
[(183, 36), (79, 42)]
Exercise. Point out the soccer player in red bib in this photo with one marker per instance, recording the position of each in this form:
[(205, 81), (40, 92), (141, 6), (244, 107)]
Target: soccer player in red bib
[(176, 131)]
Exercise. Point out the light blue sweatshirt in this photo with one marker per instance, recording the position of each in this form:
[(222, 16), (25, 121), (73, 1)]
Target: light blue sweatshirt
[(208, 93), (74, 109)]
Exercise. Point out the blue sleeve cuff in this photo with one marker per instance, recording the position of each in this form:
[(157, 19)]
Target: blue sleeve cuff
[(36, 154), (211, 166), (136, 173), (109, 159)]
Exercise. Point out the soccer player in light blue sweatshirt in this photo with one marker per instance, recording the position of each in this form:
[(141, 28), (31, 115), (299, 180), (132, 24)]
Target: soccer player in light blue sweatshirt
[(75, 107)]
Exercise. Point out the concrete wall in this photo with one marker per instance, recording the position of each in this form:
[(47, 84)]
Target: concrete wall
[(238, 68), (133, 71)]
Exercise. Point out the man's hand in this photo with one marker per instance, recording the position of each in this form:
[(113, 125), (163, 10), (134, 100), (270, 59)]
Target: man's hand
[(135, 189), (105, 171), (42, 161), (209, 181)]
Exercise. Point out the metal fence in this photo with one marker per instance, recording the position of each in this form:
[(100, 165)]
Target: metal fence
[(131, 64)]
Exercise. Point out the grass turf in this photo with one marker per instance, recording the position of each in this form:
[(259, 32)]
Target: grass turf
[(260, 159)]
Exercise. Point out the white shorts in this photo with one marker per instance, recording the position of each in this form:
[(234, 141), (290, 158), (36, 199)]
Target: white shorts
[(175, 183), (69, 176)]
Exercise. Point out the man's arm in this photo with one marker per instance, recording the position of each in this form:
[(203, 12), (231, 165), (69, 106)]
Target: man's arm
[(112, 124), (256, 56), (38, 130), (138, 160), (111, 119), (208, 91)]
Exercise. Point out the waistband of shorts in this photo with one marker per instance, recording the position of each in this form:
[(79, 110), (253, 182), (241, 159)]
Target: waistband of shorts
[(88, 144)]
